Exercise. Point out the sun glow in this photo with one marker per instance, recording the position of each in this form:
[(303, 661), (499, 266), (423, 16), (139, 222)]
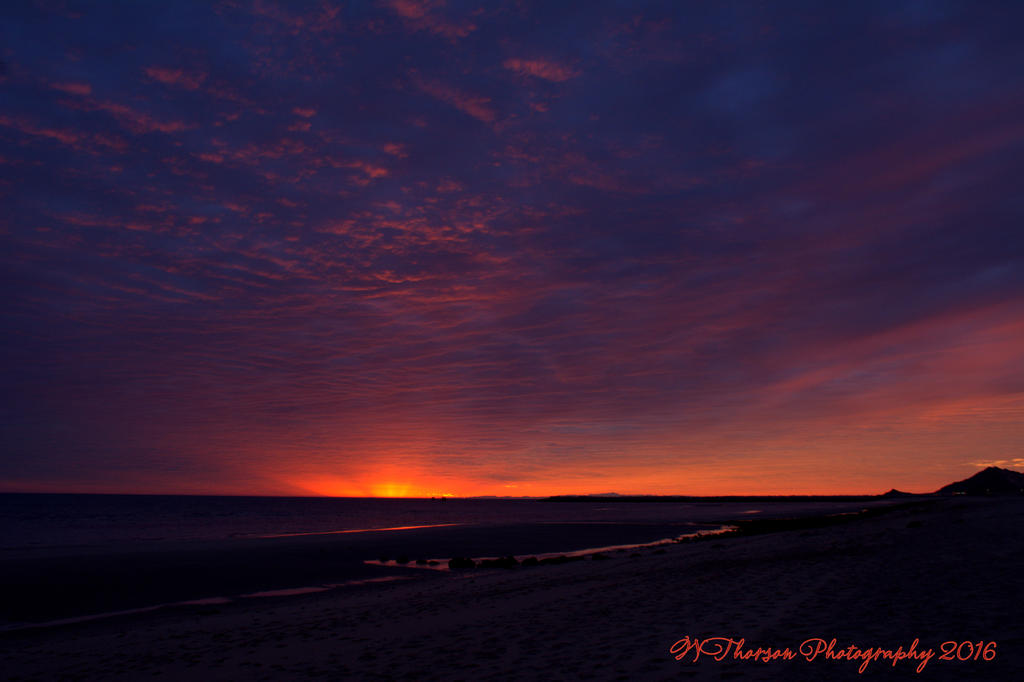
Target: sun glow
[(382, 483), (391, 489)]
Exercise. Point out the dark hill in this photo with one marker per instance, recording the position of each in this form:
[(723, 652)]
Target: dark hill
[(991, 481), (898, 493)]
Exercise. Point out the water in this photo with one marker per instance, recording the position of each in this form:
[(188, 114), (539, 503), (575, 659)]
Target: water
[(74, 556), (30, 521), (54, 521)]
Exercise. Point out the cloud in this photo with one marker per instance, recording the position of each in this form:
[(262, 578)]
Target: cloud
[(425, 15), (541, 68), (83, 140), (1015, 463), (136, 121), (74, 88), (395, 149), (477, 106), (176, 77)]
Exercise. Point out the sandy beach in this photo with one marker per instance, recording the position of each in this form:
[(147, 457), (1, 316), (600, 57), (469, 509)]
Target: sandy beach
[(938, 573)]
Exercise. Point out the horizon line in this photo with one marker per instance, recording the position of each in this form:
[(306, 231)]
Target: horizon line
[(596, 496)]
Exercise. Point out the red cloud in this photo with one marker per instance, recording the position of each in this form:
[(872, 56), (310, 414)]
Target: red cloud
[(419, 15), (476, 106), (88, 142), (395, 149), (541, 68), (139, 121), (74, 88), (176, 77), (136, 121)]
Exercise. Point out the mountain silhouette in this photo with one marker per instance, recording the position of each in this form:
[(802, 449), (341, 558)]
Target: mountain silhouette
[(991, 481), (898, 493)]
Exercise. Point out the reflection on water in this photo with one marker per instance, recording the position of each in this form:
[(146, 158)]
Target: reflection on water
[(442, 564)]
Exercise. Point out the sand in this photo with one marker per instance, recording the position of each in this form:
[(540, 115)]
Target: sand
[(946, 572)]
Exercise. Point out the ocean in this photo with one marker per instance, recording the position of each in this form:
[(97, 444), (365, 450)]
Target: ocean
[(73, 556), (81, 521)]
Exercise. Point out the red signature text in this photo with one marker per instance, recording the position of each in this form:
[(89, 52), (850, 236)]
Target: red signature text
[(819, 649)]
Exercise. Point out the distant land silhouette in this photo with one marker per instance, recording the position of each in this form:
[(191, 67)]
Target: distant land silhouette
[(898, 493), (991, 481)]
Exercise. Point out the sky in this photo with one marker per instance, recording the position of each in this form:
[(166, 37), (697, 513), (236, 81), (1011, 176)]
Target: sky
[(417, 247)]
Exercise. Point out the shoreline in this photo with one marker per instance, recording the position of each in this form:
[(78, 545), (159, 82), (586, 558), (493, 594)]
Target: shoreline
[(35, 589), (150, 578), (57, 584), (938, 572)]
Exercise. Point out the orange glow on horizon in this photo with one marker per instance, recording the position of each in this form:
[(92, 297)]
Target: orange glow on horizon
[(381, 483), (721, 485), (682, 483)]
